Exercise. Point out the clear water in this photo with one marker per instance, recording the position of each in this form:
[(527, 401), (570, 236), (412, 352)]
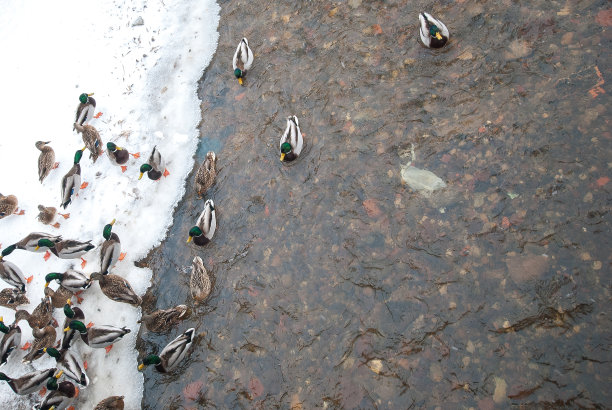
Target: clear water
[(335, 284)]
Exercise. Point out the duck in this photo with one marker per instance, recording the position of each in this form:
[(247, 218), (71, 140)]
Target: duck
[(291, 142), (119, 155), (111, 403), (71, 280), (199, 283), (71, 363), (243, 60), (171, 355), (206, 225), (153, 167), (40, 317), (98, 336), (42, 338), (30, 243), (59, 296), (92, 140), (11, 274), (117, 288), (71, 313), (46, 159), (12, 298), (110, 252), (163, 320), (60, 396), (434, 33), (11, 339), (9, 205), (71, 182), (47, 214), (206, 174), (29, 382), (85, 110), (66, 249)]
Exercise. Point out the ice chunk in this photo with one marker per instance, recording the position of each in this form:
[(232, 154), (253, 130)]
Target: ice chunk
[(421, 179)]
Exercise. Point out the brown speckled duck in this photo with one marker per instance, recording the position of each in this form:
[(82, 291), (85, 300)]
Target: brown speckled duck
[(46, 159), (47, 215), (111, 403), (117, 288), (164, 320), (8, 205), (207, 173), (92, 140), (199, 283), (12, 298)]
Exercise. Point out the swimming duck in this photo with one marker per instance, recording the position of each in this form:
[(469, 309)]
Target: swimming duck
[(206, 174), (153, 166), (42, 338), (243, 59), (11, 274), (11, 339), (111, 403), (30, 243), (163, 320), (71, 363), (66, 249), (40, 317), (85, 110), (71, 182), (59, 296), (11, 298), (71, 280), (118, 155), (172, 354), (72, 313), (46, 159), (60, 396), (434, 33), (98, 336), (92, 140), (47, 215), (117, 288), (206, 225), (199, 283), (29, 382), (8, 206), (110, 252), (291, 143)]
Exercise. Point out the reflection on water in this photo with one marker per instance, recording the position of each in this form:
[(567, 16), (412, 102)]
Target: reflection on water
[(336, 285)]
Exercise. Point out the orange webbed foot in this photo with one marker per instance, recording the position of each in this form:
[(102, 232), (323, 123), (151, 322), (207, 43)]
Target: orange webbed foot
[(66, 216), (85, 364), (122, 255), (54, 321), (108, 348), (166, 173), (29, 279), (90, 324), (42, 391), (47, 256), (84, 185), (79, 299), (83, 263), (56, 225), (55, 165), (26, 346), (123, 168), (98, 115), (21, 212), (136, 155)]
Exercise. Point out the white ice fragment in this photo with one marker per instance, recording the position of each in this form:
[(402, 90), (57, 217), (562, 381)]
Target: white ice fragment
[(138, 22), (421, 179)]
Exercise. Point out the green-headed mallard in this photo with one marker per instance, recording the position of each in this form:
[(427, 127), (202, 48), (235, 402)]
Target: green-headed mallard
[(206, 174), (8, 205), (206, 225), (154, 167), (92, 140), (70, 362), (118, 155), (117, 288), (59, 296), (199, 283), (42, 338), (72, 313), (11, 274), (110, 250), (46, 159), (12, 298), (291, 143), (60, 396), (71, 182), (29, 382), (243, 60), (434, 33), (111, 403), (66, 249), (11, 338), (86, 109), (71, 279), (30, 243), (172, 354), (40, 317), (98, 336), (164, 320)]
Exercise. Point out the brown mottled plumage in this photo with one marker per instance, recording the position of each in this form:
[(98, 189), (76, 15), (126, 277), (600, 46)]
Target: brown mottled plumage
[(111, 403), (11, 298), (44, 337), (163, 320), (117, 288), (207, 173), (47, 215), (46, 159), (92, 140), (8, 205), (40, 317), (199, 283), (59, 296)]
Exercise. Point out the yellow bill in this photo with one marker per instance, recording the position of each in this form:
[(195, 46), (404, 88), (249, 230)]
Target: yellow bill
[(37, 247), (438, 36), (189, 239), (47, 285), (240, 80), (141, 366), (67, 329), (282, 156), (140, 177)]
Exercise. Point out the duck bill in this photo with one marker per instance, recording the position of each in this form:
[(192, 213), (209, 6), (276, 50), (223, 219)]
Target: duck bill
[(67, 329), (37, 248), (141, 366), (47, 285), (89, 95), (282, 156), (113, 222), (57, 376), (240, 80), (189, 239), (438, 36), (119, 148), (140, 177)]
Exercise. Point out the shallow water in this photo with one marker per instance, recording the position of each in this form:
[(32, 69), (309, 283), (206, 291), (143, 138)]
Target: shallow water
[(335, 284)]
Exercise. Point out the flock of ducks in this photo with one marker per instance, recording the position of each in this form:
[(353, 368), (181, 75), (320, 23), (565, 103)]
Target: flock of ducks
[(433, 34)]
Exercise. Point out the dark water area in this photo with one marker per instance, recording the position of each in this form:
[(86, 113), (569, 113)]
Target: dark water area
[(336, 284)]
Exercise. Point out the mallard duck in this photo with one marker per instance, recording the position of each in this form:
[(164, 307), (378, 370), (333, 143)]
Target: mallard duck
[(8, 206), (60, 396), (42, 338), (29, 382), (47, 215), (30, 243), (243, 59), (11, 339), (66, 249), (117, 288), (163, 320), (46, 159), (172, 354), (71, 280), (92, 140), (205, 227), (153, 167), (59, 296), (71, 363), (206, 174), (71, 182), (199, 283), (11, 298), (98, 336), (434, 33), (111, 403), (85, 110), (72, 313), (11, 274), (118, 155), (40, 317), (291, 143), (110, 252)]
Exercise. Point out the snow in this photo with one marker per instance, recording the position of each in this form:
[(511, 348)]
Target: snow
[(145, 82)]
